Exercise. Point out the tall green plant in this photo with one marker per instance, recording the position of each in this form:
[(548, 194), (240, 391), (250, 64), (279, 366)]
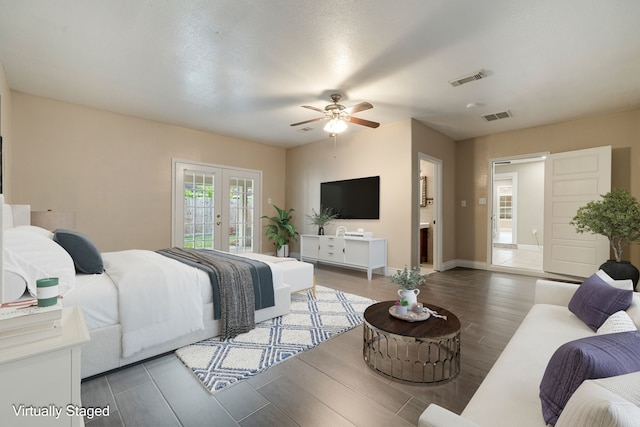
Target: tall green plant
[(281, 231), (616, 216)]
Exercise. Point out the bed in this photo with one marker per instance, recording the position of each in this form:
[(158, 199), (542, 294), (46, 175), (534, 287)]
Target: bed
[(143, 304)]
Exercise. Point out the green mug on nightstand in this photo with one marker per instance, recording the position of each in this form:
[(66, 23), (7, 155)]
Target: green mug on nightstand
[(47, 291)]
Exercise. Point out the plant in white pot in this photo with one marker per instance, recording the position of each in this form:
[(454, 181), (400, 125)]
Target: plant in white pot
[(616, 216), (408, 280), (281, 231), (322, 218)]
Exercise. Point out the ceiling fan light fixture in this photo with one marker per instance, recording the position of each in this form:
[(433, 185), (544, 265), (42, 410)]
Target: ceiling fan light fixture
[(335, 126)]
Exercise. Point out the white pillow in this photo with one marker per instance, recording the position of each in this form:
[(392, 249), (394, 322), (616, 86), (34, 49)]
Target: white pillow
[(33, 256), (35, 229), (617, 322), (626, 284), (605, 402), (634, 309)]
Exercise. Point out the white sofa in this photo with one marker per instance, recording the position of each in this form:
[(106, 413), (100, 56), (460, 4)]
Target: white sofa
[(509, 395)]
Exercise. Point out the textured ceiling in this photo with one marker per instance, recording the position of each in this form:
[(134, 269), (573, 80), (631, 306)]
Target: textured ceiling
[(244, 68)]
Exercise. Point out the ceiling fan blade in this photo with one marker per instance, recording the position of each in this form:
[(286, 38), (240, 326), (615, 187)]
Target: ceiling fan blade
[(307, 121), (362, 122), (358, 107), (313, 108)]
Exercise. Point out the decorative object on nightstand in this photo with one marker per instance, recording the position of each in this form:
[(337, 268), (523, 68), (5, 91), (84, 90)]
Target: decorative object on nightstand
[(617, 217), (47, 291), (23, 322)]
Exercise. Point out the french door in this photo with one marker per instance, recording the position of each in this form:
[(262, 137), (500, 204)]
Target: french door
[(215, 207)]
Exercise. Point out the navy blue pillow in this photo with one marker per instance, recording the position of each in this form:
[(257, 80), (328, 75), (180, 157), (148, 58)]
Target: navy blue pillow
[(595, 300), (86, 256), (599, 356)]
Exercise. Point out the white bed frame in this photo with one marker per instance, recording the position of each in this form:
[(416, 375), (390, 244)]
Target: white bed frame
[(104, 351)]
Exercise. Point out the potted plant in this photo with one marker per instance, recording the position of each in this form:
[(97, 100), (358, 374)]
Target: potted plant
[(402, 307), (322, 218), (616, 216), (408, 280), (281, 231)]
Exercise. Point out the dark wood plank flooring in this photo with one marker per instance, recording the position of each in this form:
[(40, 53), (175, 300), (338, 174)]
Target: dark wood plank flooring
[(330, 384)]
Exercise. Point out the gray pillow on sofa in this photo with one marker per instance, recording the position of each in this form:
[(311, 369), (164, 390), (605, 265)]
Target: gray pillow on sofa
[(86, 256), (595, 300), (599, 356)]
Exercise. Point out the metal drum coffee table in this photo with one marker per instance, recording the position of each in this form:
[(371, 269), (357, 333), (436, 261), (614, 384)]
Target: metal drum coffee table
[(426, 351)]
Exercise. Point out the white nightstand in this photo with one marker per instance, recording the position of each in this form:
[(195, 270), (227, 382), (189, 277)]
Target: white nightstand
[(44, 375)]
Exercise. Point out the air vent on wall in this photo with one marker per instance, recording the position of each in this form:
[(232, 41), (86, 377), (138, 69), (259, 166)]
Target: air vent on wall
[(497, 116), (467, 79)]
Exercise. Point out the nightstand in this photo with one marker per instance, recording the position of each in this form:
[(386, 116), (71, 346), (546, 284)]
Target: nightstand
[(41, 378)]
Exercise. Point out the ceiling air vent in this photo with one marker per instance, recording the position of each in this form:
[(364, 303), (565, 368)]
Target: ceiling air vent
[(467, 79), (497, 116)]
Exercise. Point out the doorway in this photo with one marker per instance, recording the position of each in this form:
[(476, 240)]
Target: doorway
[(216, 207), (517, 213), (430, 213)]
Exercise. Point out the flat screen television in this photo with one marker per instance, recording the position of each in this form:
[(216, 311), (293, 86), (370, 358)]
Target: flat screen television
[(352, 198)]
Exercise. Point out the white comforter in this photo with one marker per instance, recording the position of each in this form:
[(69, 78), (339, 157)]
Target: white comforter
[(159, 298)]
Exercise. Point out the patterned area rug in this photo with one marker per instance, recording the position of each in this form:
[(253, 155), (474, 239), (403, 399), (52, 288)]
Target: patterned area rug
[(219, 363)]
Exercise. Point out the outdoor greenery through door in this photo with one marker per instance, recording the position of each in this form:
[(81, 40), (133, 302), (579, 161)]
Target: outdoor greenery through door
[(215, 207)]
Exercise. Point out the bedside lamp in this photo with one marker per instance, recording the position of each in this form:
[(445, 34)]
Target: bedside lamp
[(51, 220)]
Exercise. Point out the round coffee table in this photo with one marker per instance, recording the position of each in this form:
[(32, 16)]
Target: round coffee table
[(425, 351)]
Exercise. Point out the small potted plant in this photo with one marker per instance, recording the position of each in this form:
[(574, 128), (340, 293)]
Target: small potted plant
[(616, 216), (281, 231), (402, 307), (322, 218), (408, 280)]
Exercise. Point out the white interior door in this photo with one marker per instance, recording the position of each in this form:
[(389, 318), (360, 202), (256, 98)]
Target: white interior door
[(215, 207), (572, 179)]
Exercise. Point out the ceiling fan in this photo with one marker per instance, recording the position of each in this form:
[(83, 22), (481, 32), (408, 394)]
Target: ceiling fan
[(338, 115)]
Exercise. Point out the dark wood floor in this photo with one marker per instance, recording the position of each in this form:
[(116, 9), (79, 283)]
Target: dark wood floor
[(330, 384)]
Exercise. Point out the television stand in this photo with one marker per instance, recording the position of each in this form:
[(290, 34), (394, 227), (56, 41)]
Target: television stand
[(353, 252)]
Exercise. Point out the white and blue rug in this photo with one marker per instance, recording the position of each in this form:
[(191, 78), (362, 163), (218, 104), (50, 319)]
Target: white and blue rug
[(219, 363)]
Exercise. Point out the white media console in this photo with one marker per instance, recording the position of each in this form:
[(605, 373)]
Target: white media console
[(354, 252)]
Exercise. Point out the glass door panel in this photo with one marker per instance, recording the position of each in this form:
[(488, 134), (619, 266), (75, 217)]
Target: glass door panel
[(242, 216), (215, 208)]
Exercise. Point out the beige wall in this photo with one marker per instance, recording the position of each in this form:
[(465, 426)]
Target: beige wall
[(436, 145), (385, 151), (5, 131), (390, 151), (114, 171), (620, 130)]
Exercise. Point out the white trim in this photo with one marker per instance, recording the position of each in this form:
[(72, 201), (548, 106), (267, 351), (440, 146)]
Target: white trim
[(479, 265), (437, 201)]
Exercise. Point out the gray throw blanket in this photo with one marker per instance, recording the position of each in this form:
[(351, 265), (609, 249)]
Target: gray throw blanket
[(235, 286)]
